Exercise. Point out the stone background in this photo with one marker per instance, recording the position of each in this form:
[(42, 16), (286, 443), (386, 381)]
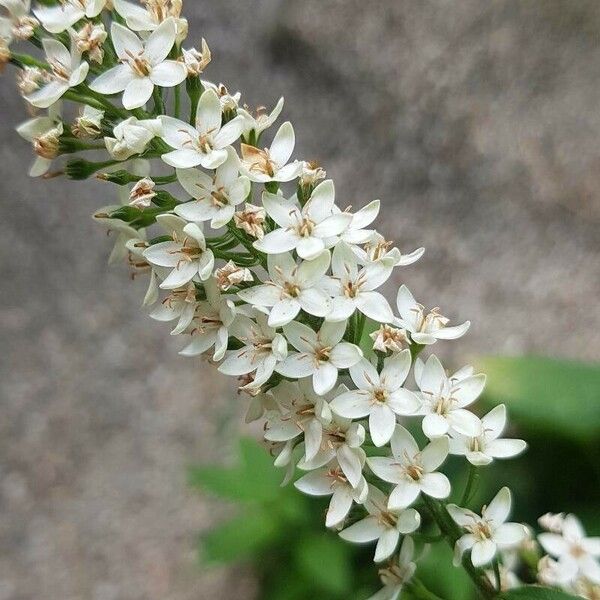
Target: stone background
[(477, 122)]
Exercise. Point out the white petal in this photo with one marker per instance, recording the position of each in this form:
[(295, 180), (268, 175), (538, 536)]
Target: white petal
[(56, 52), (182, 159), (364, 375), (553, 543), (176, 133), (345, 355), (435, 453), (125, 41), (483, 552), (433, 378), (48, 95), (310, 272), (387, 544), (494, 422), (277, 242), (406, 304), (314, 302), (302, 337), (200, 343), (403, 495), (280, 209), (313, 435), (137, 93), (435, 485), (435, 425), (382, 422), (462, 516), (409, 520), (296, 365), (315, 483), (209, 113), (160, 42), (179, 276), (505, 448), (375, 306), (363, 531), (395, 370), (261, 295), (510, 534), (352, 405), (385, 468), (324, 378), (168, 73), (339, 507), (350, 463), (465, 422), (467, 390), (332, 226), (229, 133), (309, 248), (283, 312), (403, 443), (452, 333), (283, 144), (499, 508), (341, 309), (113, 81)]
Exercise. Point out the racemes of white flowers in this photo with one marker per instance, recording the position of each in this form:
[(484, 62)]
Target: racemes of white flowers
[(282, 289), (144, 64), (488, 533)]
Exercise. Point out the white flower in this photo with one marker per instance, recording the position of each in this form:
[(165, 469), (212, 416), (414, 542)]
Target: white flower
[(142, 193), (444, 400), (380, 396), (271, 164), (486, 533), (412, 470), (67, 71), (553, 522), (123, 231), (187, 256), (388, 338), (206, 144), (377, 248), (425, 329), (17, 23), (263, 349), (143, 65), (211, 323), (216, 196), (179, 305), (382, 524), (90, 38), (355, 290), (251, 220), (196, 60), (340, 439), (311, 174), (572, 546), (230, 275), (132, 136), (396, 575), (57, 19), (320, 354), (291, 287), (260, 121), (557, 573), (44, 134), (29, 79), (484, 448), (302, 229), (331, 481), (299, 412), (150, 16), (356, 232), (88, 124)]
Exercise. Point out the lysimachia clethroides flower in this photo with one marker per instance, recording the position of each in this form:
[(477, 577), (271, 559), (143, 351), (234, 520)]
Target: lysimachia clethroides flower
[(143, 65), (249, 258)]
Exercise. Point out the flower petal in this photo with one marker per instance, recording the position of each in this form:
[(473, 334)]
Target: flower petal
[(168, 73), (137, 93), (382, 422), (125, 42), (435, 485), (354, 404), (161, 40), (283, 144), (113, 81)]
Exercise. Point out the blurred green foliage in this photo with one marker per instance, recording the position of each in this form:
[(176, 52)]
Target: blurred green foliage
[(554, 405)]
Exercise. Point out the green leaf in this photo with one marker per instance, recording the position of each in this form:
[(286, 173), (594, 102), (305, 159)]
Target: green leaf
[(546, 395), (240, 537), (324, 560), (534, 592), (440, 576), (256, 479)]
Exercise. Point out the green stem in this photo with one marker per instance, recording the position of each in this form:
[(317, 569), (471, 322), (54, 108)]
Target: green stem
[(420, 591), (452, 532), (177, 106), (360, 325), (21, 60), (470, 488), (497, 575), (159, 108)]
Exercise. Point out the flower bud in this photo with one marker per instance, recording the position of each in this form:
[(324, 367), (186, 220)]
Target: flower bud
[(196, 61), (4, 54), (89, 124), (251, 220), (29, 80), (231, 274), (47, 144), (389, 338), (90, 38), (142, 193)]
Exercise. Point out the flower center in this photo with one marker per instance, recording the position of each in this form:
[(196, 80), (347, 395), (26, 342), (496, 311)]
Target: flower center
[(46, 145), (481, 530), (258, 160), (305, 228), (352, 288), (380, 395), (337, 476), (59, 70), (138, 63), (219, 197), (291, 289)]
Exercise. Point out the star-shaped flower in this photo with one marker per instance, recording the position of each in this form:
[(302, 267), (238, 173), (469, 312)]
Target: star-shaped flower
[(57, 19)]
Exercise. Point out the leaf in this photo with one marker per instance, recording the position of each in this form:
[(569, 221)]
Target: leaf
[(325, 561), (534, 592), (240, 537), (256, 479), (440, 576), (546, 394)]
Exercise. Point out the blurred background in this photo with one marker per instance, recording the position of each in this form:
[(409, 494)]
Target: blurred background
[(477, 124)]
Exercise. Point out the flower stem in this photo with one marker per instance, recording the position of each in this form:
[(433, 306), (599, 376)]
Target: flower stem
[(420, 591), (497, 575), (177, 105), (470, 488), (451, 532)]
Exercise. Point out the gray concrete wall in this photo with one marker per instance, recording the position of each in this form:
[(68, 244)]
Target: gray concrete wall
[(477, 124)]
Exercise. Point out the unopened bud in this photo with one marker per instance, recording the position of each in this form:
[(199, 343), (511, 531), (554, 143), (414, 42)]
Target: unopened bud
[(4, 54), (251, 220), (231, 274), (47, 145), (389, 338), (90, 38), (142, 193), (196, 61)]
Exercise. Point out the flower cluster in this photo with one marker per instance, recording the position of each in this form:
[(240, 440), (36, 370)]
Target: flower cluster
[(253, 261)]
